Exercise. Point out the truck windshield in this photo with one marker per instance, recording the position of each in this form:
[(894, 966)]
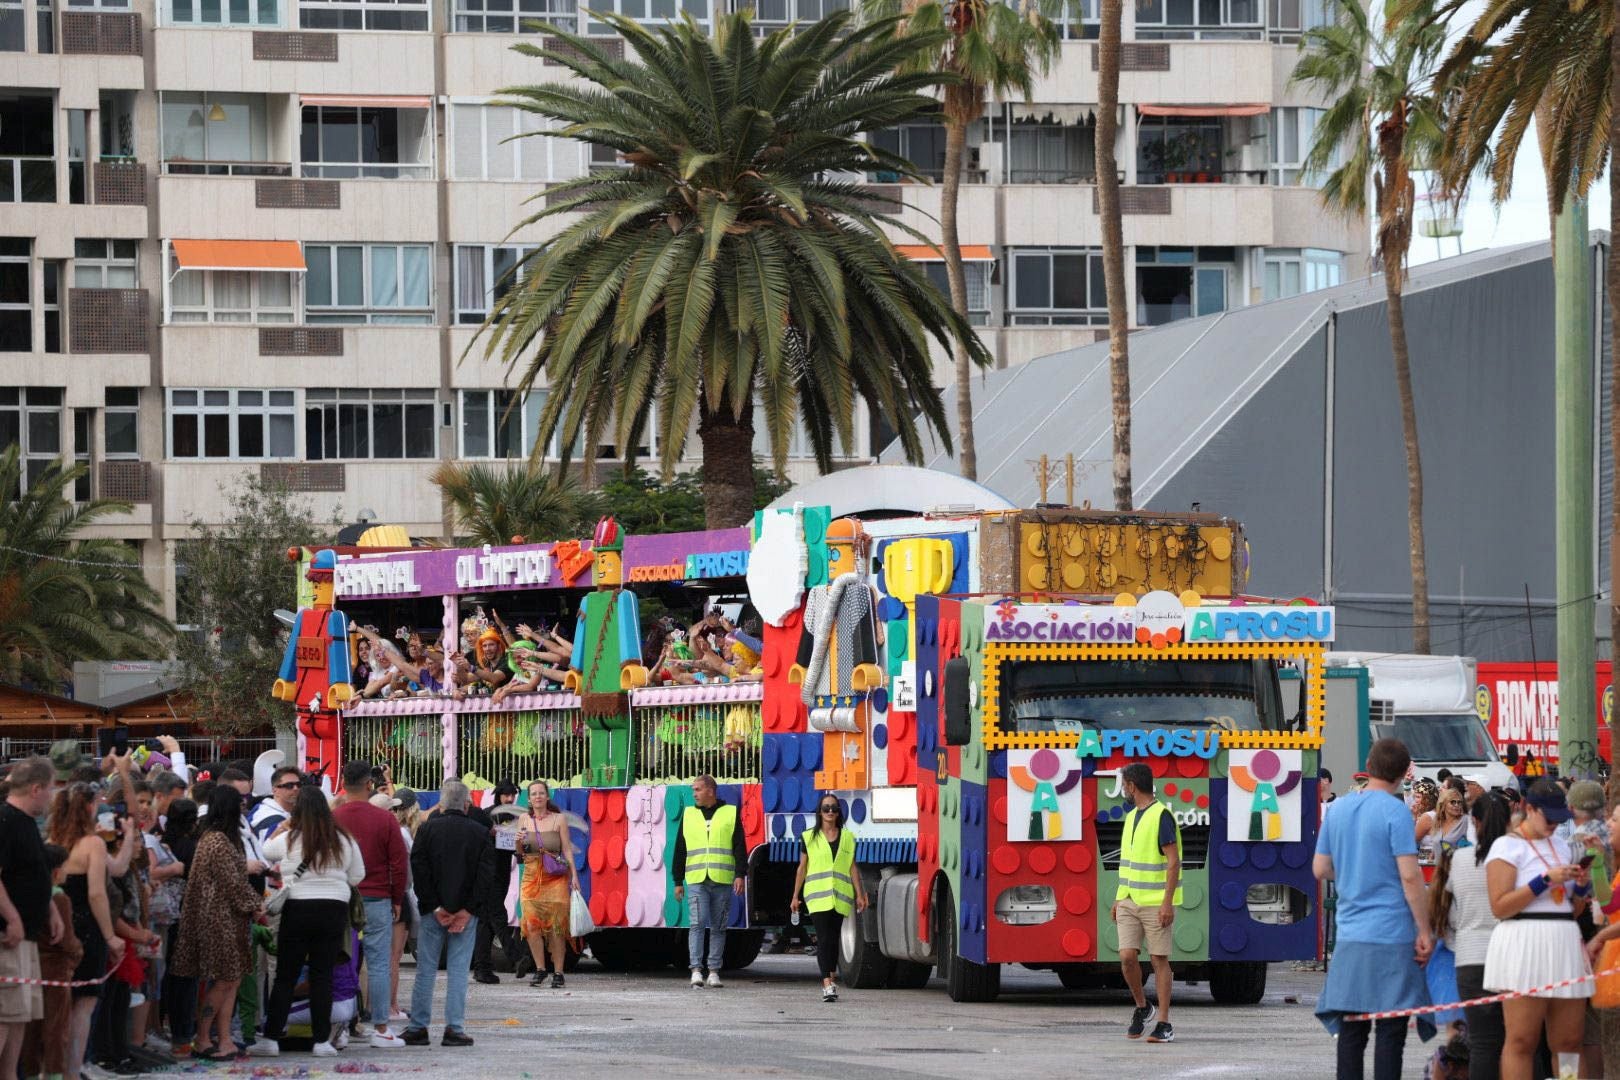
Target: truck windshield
[(1440, 736), (1039, 696)]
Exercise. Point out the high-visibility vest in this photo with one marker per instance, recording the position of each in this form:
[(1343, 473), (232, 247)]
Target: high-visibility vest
[(1143, 868), (708, 845), (829, 882)]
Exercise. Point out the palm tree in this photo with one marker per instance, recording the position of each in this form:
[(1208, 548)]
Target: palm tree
[(1388, 121), (1113, 245), (731, 269), (989, 47), (494, 504), (64, 598)]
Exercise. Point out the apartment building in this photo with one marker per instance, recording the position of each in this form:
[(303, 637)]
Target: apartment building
[(258, 236)]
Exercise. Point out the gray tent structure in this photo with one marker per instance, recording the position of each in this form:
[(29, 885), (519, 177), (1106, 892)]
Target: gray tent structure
[(1284, 415)]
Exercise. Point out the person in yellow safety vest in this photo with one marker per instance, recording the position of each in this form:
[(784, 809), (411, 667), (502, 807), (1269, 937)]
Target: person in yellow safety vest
[(831, 885), (710, 864), (1149, 893)]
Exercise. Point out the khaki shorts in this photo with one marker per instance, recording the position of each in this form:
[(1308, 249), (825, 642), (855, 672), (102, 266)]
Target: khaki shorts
[(20, 1003), (1136, 923)]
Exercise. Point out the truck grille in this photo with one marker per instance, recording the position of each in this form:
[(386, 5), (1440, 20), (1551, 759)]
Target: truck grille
[(1194, 844)]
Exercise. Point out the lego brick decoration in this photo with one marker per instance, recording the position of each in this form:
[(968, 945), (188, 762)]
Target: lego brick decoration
[(927, 846), (1068, 868), (1043, 797), (677, 797), (644, 856), (1191, 802), (610, 877), (972, 899), (1263, 795), (733, 794), (1237, 867), (575, 802)]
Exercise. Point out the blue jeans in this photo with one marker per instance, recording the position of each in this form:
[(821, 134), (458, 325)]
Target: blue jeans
[(378, 944), (431, 941), (709, 905)]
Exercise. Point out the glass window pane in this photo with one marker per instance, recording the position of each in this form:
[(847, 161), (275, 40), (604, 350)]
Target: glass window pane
[(419, 430), (388, 430), (250, 436), (281, 436), (217, 435), (474, 423), (384, 276), (118, 432), (417, 276), (1068, 281), (44, 433), (351, 269), (1291, 279), (318, 281), (184, 436), (1032, 276), (1211, 285)]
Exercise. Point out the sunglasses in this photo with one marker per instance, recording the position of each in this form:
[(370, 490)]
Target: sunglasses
[(829, 809), (287, 787)]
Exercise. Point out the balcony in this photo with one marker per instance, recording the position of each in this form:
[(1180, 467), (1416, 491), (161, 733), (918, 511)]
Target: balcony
[(1178, 72), (109, 321), (101, 33), (397, 491), (260, 208), (242, 59)]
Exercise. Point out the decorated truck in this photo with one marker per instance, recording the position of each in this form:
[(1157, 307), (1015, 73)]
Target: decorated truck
[(969, 685)]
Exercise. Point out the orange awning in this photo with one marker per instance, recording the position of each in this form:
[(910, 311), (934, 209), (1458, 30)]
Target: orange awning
[(238, 254), (1203, 110), (361, 101), (929, 253)]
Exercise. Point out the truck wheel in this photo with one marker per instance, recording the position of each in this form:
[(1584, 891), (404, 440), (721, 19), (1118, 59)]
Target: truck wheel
[(742, 948), (964, 979), (861, 964), (1075, 979), (609, 949), (910, 976), (1242, 983)]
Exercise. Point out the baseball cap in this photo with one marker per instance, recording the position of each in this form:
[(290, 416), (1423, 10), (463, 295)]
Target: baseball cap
[(404, 798), (1477, 778), (65, 756), (1586, 795), (1551, 803)]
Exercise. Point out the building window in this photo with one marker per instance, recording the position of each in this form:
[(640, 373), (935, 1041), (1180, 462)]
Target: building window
[(16, 313), (484, 274), (1291, 18), (362, 424), (515, 16), (120, 423), (51, 303), (500, 423), (1179, 150), (341, 142), (83, 427), (1047, 147), (1057, 287), (799, 444), (1206, 20), (483, 147), (375, 283), (226, 425), (13, 24), (772, 15), (221, 12), (1179, 282), (363, 15), (1288, 272), (104, 264), (1079, 20), (217, 135), (230, 296), (1292, 129), (98, 5), (654, 12), (31, 418), (27, 149), (976, 276), (924, 146)]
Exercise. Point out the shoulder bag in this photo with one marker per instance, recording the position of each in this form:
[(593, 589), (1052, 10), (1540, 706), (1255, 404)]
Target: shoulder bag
[(278, 899)]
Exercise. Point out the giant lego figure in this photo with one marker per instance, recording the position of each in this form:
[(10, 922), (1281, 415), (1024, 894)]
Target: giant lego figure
[(315, 671), (606, 661), (837, 660)]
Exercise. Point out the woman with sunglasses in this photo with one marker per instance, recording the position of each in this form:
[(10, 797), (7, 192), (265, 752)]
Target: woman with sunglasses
[(830, 884), (1446, 827)]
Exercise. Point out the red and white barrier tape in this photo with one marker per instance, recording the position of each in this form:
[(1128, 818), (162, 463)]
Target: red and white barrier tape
[(1492, 1000), (17, 980)]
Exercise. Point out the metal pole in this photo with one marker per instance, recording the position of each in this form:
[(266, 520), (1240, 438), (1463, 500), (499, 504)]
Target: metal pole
[(1577, 691)]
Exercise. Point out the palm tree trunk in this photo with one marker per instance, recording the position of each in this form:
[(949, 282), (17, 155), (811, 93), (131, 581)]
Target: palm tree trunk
[(1113, 243), (956, 122), (1414, 463), (728, 467)]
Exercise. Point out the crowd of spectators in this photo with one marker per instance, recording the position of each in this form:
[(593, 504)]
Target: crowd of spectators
[(153, 911)]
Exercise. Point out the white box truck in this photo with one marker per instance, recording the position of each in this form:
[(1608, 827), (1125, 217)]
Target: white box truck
[(1427, 702)]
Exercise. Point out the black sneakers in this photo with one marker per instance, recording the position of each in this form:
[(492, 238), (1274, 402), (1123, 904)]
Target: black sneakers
[(1139, 1018), (484, 975), (1162, 1032), (451, 1037), (416, 1036)]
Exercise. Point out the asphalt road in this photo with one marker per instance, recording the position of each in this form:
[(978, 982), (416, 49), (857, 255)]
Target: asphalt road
[(769, 1021)]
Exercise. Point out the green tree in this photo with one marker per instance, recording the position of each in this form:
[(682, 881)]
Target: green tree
[(63, 597), (1387, 120), (230, 579), (727, 273), (643, 503), (496, 504), (989, 47)]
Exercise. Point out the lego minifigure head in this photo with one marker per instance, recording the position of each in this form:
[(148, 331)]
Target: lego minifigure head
[(321, 569), (607, 547), (845, 538)]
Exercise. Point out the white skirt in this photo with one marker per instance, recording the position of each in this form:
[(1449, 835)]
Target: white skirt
[(1530, 953)]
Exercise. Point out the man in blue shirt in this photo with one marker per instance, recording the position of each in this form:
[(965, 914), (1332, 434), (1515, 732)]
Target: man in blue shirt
[(1368, 848)]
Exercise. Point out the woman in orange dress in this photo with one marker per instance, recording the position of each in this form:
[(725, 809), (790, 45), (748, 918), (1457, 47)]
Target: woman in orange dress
[(548, 876)]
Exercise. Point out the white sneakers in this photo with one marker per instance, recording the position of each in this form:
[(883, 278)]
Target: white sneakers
[(263, 1047), (340, 1037), (382, 1040), (829, 993), (697, 979), (714, 982), (324, 1049)]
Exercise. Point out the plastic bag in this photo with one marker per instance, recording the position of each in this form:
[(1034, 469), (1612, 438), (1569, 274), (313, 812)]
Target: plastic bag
[(1607, 995), (580, 922)]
